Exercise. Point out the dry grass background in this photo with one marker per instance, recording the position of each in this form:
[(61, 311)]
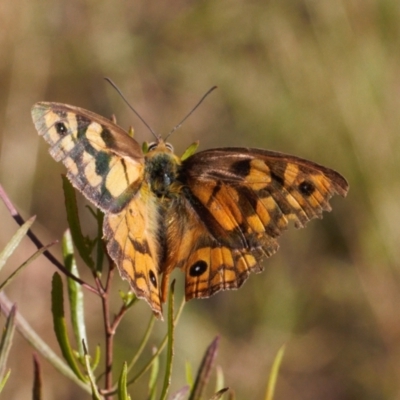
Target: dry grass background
[(319, 79)]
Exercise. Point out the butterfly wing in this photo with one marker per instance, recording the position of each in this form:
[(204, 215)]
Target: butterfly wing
[(102, 160), (238, 202), (107, 166), (209, 257), (132, 242)]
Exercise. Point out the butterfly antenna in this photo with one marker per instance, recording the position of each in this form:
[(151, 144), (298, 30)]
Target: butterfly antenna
[(127, 102), (191, 112)]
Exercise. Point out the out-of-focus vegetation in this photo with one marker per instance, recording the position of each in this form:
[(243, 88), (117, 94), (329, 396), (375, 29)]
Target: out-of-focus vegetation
[(319, 79)]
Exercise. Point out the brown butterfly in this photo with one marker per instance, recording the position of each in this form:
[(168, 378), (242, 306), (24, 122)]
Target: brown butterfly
[(214, 214)]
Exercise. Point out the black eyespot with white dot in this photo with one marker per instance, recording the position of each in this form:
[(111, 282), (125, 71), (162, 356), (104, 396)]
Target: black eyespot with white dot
[(198, 268), (61, 128), (307, 188), (153, 278)]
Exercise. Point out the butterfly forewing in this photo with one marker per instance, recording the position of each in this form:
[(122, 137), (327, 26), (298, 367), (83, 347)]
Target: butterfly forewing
[(102, 160), (258, 191)]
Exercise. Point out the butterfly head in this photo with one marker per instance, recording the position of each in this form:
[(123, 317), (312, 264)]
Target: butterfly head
[(159, 146), (162, 167)]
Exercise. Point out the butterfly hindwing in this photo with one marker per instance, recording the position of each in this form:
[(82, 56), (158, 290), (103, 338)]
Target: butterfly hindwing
[(208, 264), (228, 269), (132, 242)]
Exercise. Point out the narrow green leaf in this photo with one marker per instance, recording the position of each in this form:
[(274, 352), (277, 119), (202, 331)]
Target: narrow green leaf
[(204, 370), (75, 293), (147, 366), (15, 241), (190, 150), (122, 385), (189, 374), (37, 380), (145, 147), (6, 342), (15, 273), (155, 368), (39, 344), (96, 359), (92, 379), (82, 243), (274, 373), (4, 380), (143, 343), (170, 345), (98, 242), (60, 328)]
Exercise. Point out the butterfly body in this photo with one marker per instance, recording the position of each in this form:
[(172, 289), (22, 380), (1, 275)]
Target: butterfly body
[(214, 215)]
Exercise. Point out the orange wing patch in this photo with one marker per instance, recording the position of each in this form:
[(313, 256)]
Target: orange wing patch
[(208, 264), (211, 269)]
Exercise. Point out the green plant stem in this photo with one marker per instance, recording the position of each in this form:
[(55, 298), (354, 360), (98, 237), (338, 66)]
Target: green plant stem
[(159, 350), (273, 377), (143, 343)]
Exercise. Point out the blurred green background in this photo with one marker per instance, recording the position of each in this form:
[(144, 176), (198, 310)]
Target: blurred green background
[(315, 78)]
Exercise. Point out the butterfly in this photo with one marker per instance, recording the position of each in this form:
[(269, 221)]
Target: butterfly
[(214, 214)]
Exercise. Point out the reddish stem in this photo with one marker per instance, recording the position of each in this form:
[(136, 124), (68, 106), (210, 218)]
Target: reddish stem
[(20, 221)]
